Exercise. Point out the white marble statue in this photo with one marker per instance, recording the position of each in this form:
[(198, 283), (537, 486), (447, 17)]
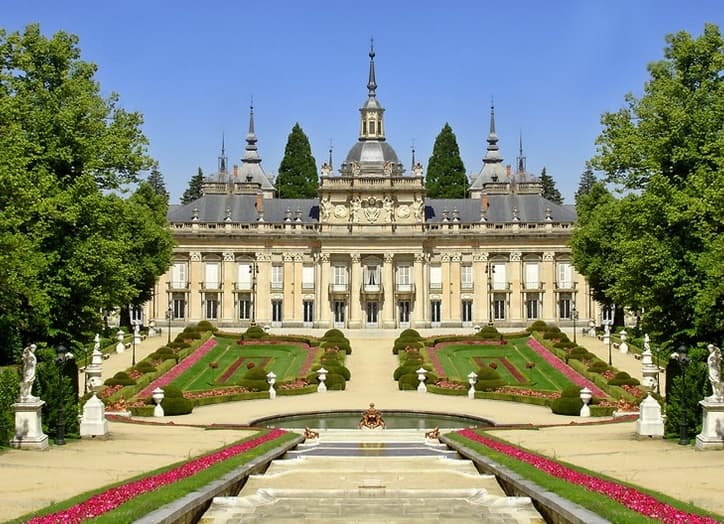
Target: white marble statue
[(30, 362), (356, 205), (97, 343), (326, 208), (714, 364), (388, 207)]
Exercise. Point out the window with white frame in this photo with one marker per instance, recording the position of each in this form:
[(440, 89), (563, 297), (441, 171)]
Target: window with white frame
[(466, 276), (500, 281), (212, 306), (211, 273), (276, 310), (532, 304), (565, 275), (245, 307), (277, 276), (532, 277), (499, 306), (564, 306), (467, 311), (435, 277), (179, 306), (308, 277), (179, 275), (403, 277), (244, 276), (340, 275), (435, 313), (372, 277)]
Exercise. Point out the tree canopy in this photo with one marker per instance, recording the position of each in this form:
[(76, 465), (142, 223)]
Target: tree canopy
[(586, 183), (297, 176), (550, 191), (71, 246), (194, 190), (155, 179), (659, 247), (445, 169)]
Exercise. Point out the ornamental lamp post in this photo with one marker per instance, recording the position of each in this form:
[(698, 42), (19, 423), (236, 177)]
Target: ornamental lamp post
[(610, 323), (169, 315), (63, 356), (682, 356)]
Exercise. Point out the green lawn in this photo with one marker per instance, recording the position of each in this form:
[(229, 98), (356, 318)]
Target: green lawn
[(231, 360), (458, 360)]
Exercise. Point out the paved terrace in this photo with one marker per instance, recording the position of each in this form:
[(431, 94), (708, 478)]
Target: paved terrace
[(32, 480)]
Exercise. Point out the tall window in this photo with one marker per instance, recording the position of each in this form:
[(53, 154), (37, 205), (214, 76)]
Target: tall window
[(435, 277), (466, 276), (179, 275), (308, 306), (276, 310), (564, 306), (340, 275), (500, 280), (211, 280), (179, 305), (532, 280), (245, 307), (467, 311), (403, 275), (212, 306), (499, 306), (565, 275), (277, 281), (435, 311), (372, 278), (532, 300), (308, 277), (244, 276)]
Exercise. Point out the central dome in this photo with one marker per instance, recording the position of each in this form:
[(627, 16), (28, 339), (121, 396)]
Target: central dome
[(372, 151)]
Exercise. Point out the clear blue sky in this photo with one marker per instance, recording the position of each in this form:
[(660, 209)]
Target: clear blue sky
[(191, 68)]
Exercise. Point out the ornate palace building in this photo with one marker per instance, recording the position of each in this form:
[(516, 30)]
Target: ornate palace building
[(372, 251)]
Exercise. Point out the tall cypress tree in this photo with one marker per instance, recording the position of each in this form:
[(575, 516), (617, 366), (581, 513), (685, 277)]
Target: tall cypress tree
[(586, 183), (194, 192), (297, 176), (550, 191), (445, 169), (155, 180)]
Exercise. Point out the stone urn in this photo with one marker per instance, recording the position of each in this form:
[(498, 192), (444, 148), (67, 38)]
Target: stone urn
[(586, 395)]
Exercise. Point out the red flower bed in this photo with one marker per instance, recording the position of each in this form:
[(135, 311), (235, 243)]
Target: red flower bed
[(631, 498), (564, 368), (222, 392), (178, 369), (114, 497), (510, 390)]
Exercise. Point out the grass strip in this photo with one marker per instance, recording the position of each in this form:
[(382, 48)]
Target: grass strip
[(594, 501)]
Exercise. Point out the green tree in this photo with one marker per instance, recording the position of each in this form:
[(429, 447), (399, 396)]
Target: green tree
[(297, 176), (66, 156), (194, 191), (586, 183), (155, 179), (445, 169), (666, 150), (550, 191)]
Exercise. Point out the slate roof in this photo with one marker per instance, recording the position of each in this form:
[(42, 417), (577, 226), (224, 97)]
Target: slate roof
[(531, 208), (212, 208)]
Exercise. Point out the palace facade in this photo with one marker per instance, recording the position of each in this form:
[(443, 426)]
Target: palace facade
[(371, 251)]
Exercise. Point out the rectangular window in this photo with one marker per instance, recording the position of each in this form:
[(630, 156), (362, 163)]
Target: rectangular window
[(212, 306), (371, 276), (467, 311), (466, 276), (531, 276), (435, 311), (179, 275), (340, 275), (276, 311), (245, 308), (564, 306), (277, 280), (532, 301), (403, 275), (211, 280), (565, 275), (307, 277), (179, 306), (404, 312), (244, 276), (372, 127), (308, 306), (435, 277), (339, 311), (499, 306), (500, 281)]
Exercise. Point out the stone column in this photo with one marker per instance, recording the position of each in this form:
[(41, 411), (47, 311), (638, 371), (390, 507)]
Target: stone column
[(288, 288), (548, 277), (418, 306), (515, 277), (324, 305), (480, 289), (445, 289), (297, 308), (262, 297), (388, 309), (355, 309), (193, 307), (455, 305), (228, 277)]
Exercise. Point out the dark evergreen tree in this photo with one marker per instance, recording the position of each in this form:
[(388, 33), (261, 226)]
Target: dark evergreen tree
[(445, 169), (588, 180), (298, 171), (549, 188), (194, 192), (155, 180)]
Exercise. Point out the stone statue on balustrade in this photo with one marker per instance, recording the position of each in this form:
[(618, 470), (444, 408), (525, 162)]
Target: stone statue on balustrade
[(30, 362), (713, 362)]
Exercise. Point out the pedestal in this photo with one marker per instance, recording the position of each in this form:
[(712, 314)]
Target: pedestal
[(650, 422), (94, 423), (28, 426), (712, 428)]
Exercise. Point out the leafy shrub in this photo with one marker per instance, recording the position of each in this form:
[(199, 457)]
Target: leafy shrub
[(493, 365), (121, 378), (410, 334), (489, 333), (9, 388), (564, 344), (408, 382), (250, 365), (335, 382), (205, 325), (339, 370), (333, 334), (623, 379), (578, 353), (403, 370), (256, 373), (569, 403), (402, 344), (174, 403), (538, 325), (253, 333), (598, 367), (341, 344), (145, 366), (488, 379)]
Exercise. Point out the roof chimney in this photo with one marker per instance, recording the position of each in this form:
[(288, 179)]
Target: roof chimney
[(508, 171), (259, 204), (236, 171)]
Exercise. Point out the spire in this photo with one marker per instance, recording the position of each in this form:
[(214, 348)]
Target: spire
[(371, 83), (330, 153), (413, 153), (493, 153), (222, 158), (521, 159), (492, 117), (251, 120), (250, 153)]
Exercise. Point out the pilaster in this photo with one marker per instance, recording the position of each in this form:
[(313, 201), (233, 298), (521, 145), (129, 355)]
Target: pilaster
[(193, 308), (262, 298), (515, 276), (548, 277), (228, 276), (418, 304), (388, 307), (324, 306), (355, 307)]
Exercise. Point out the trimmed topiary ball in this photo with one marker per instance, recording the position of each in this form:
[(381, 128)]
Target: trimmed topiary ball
[(489, 333), (488, 379), (538, 325), (254, 333)]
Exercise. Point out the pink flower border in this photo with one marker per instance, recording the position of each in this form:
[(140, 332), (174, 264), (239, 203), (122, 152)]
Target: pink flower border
[(631, 498), (114, 497), (179, 368), (564, 368)]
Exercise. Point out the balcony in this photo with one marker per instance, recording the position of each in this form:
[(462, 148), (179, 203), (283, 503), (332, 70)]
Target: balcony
[(533, 286), (371, 290), (243, 287), (308, 286), (565, 285), (178, 285), (436, 286), (210, 286), (276, 286), (338, 289), (467, 287), (501, 287), (405, 290)]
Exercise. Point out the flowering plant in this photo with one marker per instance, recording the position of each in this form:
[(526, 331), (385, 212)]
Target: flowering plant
[(114, 497), (568, 371), (179, 368), (630, 497)]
